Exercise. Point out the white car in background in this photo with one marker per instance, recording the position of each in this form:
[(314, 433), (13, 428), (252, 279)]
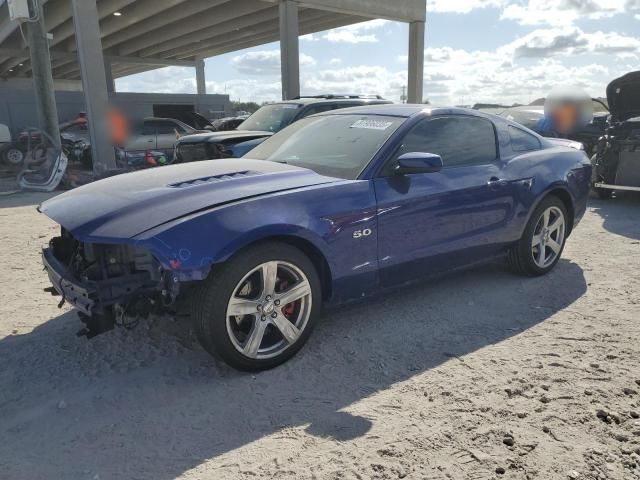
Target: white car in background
[(9, 153)]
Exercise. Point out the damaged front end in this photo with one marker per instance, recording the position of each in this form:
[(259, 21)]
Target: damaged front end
[(108, 284)]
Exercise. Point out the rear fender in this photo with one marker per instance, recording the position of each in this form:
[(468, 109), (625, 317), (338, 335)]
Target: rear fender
[(562, 190)]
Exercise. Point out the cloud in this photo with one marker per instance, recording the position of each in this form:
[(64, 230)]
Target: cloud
[(264, 62), (562, 12), (335, 61), (544, 43), (356, 33), (458, 76), (161, 80), (248, 90), (461, 6), (539, 12), (343, 36), (570, 41)]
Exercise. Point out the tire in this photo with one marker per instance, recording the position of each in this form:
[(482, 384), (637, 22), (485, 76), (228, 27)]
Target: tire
[(13, 156), (238, 285), (525, 256)]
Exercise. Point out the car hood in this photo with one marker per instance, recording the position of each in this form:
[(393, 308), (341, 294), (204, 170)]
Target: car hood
[(623, 96), (118, 208), (228, 135)]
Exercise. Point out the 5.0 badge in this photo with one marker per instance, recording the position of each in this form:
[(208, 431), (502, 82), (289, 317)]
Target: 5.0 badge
[(362, 233)]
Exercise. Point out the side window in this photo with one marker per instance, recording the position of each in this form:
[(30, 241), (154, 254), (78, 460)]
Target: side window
[(460, 140), (522, 141), (164, 128), (148, 129), (313, 109)]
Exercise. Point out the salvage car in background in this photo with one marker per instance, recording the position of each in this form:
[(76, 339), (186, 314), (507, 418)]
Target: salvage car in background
[(336, 207), (617, 159), (268, 120), (160, 134), (71, 132), (530, 116)]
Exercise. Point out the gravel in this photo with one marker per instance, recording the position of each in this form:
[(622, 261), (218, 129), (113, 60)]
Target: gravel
[(440, 380)]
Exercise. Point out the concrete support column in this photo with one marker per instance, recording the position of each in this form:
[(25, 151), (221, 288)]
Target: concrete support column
[(94, 82), (289, 51), (416, 62), (42, 77), (201, 83), (108, 75)]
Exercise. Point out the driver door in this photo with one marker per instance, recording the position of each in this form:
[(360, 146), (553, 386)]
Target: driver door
[(433, 222)]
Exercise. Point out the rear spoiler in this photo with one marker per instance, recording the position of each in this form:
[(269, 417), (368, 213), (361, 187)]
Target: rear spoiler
[(564, 142)]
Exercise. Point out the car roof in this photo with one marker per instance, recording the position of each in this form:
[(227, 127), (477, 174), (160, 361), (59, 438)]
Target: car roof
[(406, 110), (337, 99), (154, 119), (526, 108), (167, 119)]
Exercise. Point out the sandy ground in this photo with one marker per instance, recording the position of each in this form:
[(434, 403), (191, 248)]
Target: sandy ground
[(476, 376)]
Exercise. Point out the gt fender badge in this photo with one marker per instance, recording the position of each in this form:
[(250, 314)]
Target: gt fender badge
[(362, 233)]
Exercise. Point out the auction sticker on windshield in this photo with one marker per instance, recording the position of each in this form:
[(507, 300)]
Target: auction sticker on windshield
[(372, 124)]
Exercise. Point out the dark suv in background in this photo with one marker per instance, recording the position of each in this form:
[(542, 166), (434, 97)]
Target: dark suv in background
[(268, 120)]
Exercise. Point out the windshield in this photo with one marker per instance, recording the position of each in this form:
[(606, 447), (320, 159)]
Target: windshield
[(333, 145), (271, 118)]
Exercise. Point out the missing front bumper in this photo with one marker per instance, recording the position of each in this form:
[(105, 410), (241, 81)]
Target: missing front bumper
[(79, 295), (94, 297)]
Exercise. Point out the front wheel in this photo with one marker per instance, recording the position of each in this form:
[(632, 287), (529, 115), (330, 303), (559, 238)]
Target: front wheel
[(543, 240), (258, 309)]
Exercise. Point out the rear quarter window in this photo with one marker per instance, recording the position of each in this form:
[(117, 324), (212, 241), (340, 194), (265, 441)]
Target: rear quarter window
[(522, 141)]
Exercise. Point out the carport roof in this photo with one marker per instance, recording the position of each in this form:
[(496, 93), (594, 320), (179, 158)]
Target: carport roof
[(148, 34)]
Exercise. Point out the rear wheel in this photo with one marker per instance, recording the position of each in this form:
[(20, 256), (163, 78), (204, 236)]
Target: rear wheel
[(543, 240), (257, 310)]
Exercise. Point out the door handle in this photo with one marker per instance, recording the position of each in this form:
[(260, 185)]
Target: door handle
[(495, 182)]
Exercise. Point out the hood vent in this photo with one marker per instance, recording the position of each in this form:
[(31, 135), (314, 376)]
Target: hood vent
[(212, 179)]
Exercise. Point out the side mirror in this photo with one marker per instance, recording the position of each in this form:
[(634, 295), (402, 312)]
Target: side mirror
[(418, 162)]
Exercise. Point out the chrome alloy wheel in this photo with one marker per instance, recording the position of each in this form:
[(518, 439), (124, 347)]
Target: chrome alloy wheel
[(268, 309), (548, 237)]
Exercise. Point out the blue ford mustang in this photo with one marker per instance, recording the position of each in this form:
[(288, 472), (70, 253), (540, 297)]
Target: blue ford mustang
[(335, 207)]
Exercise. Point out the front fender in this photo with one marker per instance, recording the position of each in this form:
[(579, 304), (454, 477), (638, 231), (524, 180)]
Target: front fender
[(190, 246)]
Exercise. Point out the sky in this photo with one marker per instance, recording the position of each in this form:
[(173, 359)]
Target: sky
[(488, 51)]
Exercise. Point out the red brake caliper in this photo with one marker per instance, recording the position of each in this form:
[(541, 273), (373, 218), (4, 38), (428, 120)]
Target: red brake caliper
[(290, 308)]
